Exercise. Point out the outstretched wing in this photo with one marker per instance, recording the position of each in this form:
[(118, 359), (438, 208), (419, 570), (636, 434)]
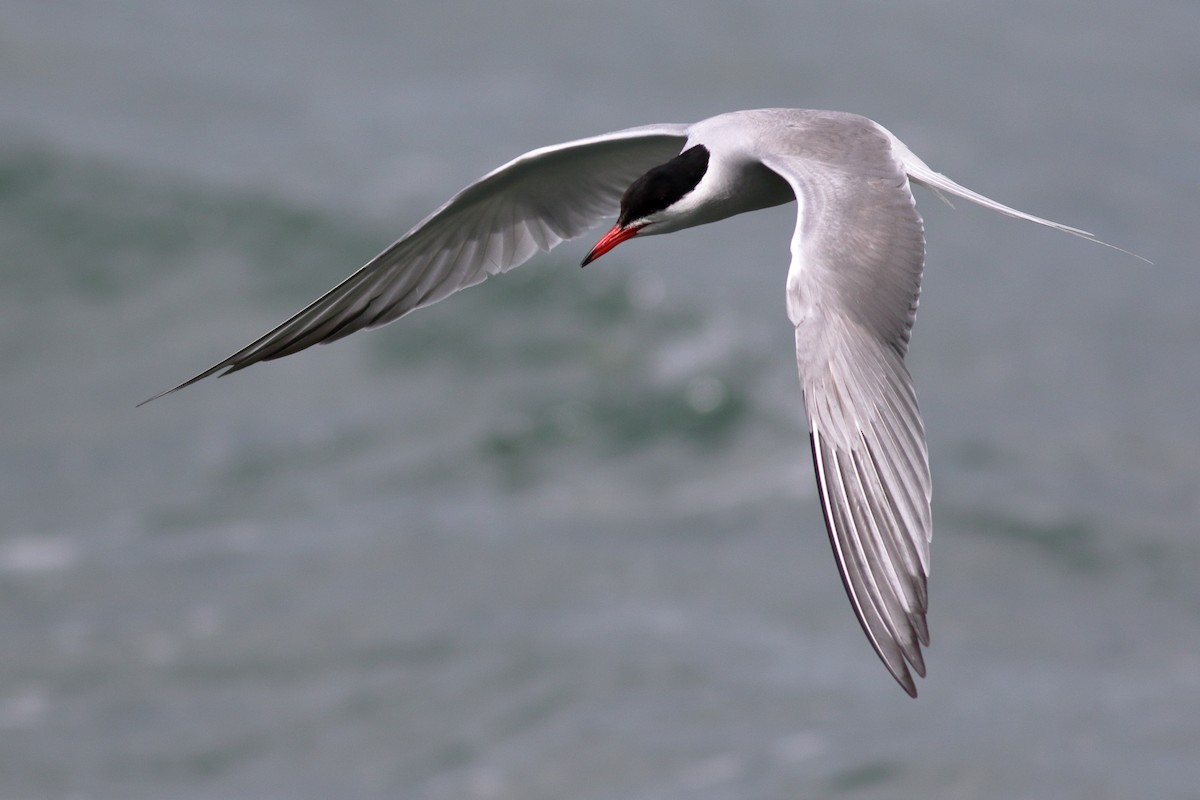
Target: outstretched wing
[(529, 204), (852, 289)]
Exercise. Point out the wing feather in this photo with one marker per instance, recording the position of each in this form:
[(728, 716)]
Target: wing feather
[(853, 285), (532, 203)]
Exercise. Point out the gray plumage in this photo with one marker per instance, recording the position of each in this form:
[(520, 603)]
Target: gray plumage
[(856, 258)]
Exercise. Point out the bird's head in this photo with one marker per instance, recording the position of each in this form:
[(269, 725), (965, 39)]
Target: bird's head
[(652, 200)]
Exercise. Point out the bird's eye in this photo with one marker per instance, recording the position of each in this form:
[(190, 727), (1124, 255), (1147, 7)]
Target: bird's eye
[(664, 185)]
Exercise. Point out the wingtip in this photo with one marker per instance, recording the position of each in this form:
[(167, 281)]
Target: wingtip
[(899, 649), (164, 394), (903, 675), (216, 370)]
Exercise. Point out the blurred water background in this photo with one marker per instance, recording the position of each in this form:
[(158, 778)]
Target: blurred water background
[(557, 537)]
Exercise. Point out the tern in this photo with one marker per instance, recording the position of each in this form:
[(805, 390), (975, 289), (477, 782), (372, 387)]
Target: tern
[(857, 254)]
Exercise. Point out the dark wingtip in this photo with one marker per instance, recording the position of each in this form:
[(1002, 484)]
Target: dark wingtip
[(164, 394), (216, 370)]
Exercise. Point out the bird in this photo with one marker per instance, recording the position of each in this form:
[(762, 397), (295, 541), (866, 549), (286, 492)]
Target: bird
[(857, 254)]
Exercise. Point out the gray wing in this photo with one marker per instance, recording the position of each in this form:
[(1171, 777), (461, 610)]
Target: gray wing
[(857, 255), (529, 204)]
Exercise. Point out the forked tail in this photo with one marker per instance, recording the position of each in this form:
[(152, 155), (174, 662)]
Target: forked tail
[(919, 172)]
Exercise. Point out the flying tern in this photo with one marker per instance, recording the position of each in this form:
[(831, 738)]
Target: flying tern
[(856, 258)]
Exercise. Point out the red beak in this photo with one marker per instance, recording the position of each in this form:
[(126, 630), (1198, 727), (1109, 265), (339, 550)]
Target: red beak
[(610, 240)]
